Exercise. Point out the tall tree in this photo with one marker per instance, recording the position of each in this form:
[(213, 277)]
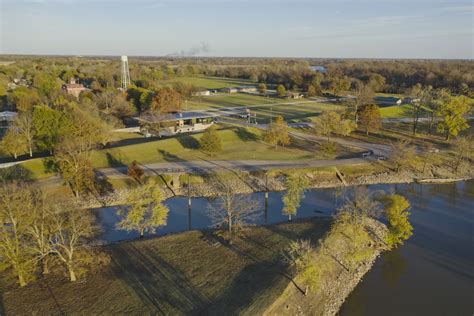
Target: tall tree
[(281, 91), (295, 185), (146, 210), (48, 126), (402, 154), (277, 133), (210, 142), (330, 122), (420, 97), (15, 208), (25, 129), (13, 143), (396, 211), (166, 100), (71, 229), (453, 115), (231, 210), (370, 118), (363, 95)]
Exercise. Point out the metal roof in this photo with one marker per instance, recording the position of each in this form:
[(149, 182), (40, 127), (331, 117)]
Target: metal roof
[(176, 116)]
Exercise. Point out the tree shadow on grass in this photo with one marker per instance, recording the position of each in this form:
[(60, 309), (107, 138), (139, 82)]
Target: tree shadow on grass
[(188, 141), (15, 173), (257, 281), (159, 285), (113, 161), (167, 156), (246, 135)]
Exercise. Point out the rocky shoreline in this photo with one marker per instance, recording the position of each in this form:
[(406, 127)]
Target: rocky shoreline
[(329, 299), (247, 182)]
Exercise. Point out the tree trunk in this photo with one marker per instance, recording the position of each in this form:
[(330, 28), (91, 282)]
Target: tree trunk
[(367, 132), (45, 266), (142, 233), (431, 125), (31, 151), (21, 279), (15, 155), (289, 217), (72, 274)]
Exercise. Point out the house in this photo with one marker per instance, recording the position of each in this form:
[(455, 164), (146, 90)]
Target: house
[(230, 90), (18, 83), (294, 95), (175, 123), (201, 93), (410, 100), (6, 119), (73, 88), (247, 89)]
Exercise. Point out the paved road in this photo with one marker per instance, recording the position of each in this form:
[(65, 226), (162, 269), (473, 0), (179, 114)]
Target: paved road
[(204, 166)]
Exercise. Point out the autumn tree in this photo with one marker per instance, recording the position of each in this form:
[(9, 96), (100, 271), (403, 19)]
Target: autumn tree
[(262, 88), (277, 133), (339, 84), (15, 208), (402, 154), (364, 95), (330, 122), (420, 96), (453, 113), (295, 184), (145, 211), (396, 211), (71, 229), (24, 99), (13, 143), (370, 118), (166, 100), (48, 126), (211, 142), (135, 171), (23, 124), (281, 91)]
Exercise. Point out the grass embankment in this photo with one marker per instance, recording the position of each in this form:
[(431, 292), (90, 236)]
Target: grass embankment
[(332, 269), (238, 144), (187, 273)]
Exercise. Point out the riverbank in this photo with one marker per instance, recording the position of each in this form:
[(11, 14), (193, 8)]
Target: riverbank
[(339, 277), (250, 182), (194, 272)]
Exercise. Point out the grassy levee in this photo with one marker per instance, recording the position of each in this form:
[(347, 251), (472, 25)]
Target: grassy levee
[(238, 144), (188, 273)]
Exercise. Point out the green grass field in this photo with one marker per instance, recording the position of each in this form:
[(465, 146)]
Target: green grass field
[(203, 82), (399, 111), (182, 274)]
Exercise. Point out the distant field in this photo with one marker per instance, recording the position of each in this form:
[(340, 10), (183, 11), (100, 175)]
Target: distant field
[(184, 274), (399, 111), (202, 82), (230, 100)]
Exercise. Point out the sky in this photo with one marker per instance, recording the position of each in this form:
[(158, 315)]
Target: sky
[(248, 28)]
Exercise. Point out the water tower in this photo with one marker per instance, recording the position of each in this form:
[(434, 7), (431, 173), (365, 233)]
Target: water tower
[(125, 73)]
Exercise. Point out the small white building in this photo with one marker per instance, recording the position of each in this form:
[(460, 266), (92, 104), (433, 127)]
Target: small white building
[(202, 93), (176, 123)]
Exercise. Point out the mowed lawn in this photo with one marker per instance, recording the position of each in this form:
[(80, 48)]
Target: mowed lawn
[(207, 82), (223, 100), (183, 274), (238, 144)]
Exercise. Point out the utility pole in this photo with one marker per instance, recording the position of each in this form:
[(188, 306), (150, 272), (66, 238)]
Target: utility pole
[(189, 202)]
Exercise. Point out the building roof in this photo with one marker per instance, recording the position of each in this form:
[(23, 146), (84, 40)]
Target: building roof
[(177, 116), (7, 116)]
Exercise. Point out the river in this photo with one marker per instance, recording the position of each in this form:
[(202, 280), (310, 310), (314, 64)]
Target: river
[(431, 274)]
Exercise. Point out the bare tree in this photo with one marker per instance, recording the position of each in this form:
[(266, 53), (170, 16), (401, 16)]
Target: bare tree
[(231, 210), (402, 154), (71, 228)]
